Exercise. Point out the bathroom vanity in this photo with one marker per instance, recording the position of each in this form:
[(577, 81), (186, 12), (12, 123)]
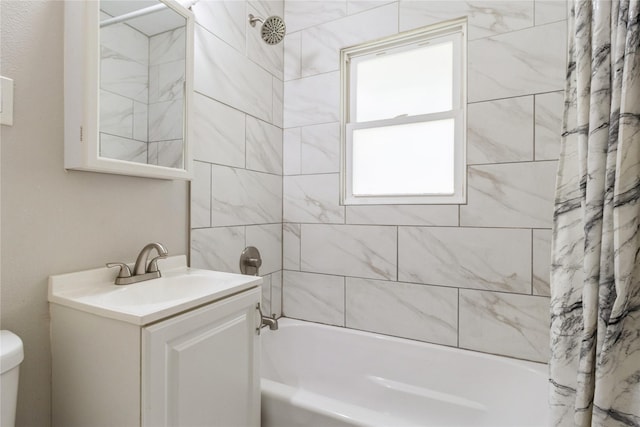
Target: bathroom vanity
[(181, 350)]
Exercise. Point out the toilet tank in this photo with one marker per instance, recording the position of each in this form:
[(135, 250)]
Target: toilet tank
[(11, 355)]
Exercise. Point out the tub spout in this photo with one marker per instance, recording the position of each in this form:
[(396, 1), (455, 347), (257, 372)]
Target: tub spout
[(271, 322)]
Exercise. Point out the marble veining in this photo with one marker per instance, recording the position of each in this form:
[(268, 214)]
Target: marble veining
[(541, 262), (165, 120), (291, 246), (315, 297), (476, 258), (312, 198), (217, 248), (201, 195), (268, 239), (291, 148), (548, 125), (264, 146), (320, 148), (312, 100), (427, 313), (444, 215), (303, 14), (115, 147), (116, 114), (225, 19), (123, 76)]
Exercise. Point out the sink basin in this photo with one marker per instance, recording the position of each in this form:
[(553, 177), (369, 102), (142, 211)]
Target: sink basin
[(179, 289)]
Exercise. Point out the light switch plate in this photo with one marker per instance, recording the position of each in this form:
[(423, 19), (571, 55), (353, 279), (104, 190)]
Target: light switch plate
[(6, 103)]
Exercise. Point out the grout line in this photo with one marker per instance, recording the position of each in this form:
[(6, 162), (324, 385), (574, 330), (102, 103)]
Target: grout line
[(458, 326)]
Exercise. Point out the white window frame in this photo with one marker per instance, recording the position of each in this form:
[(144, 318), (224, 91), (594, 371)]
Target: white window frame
[(455, 31)]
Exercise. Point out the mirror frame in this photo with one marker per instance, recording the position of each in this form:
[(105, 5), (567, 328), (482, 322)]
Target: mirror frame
[(82, 99)]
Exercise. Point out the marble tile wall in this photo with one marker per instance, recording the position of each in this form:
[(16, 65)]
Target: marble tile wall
[(473, 275), (236, 195)]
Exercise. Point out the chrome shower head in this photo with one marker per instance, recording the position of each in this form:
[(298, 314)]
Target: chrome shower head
[(273, 28)]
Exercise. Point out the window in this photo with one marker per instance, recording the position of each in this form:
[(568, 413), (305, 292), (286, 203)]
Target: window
[(403, 118)]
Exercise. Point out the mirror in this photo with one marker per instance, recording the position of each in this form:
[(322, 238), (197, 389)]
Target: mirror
[(131, 115)]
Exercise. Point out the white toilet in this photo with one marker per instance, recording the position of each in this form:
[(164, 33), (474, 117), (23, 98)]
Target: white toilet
[(11, 356)]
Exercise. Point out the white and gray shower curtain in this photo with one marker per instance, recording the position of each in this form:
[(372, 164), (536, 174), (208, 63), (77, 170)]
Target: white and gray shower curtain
[(595, 275)]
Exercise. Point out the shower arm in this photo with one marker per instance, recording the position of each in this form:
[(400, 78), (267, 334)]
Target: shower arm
[(253, 19)]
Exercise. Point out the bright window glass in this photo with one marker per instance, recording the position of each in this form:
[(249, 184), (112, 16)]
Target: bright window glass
[(413, 82), (412, 159)]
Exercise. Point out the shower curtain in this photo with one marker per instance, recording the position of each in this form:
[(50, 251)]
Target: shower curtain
[(595, 275)]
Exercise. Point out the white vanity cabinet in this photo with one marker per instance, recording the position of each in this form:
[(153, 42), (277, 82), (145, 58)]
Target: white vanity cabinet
[(114, 366)]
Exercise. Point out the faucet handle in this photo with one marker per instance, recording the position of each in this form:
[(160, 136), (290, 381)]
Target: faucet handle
[(153, 264), (125, 271)]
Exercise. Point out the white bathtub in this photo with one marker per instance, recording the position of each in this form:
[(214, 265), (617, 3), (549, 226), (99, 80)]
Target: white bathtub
[(321, 376)]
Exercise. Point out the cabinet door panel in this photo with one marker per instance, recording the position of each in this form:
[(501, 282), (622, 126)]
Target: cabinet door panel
[(202, 368)]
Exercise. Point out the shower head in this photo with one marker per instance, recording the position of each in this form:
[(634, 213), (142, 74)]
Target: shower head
[(272, 30)]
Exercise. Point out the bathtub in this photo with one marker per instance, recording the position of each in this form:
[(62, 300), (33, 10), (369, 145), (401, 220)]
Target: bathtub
[(324, 376)]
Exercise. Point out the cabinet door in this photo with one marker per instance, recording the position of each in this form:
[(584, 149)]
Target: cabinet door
[(202, 368)]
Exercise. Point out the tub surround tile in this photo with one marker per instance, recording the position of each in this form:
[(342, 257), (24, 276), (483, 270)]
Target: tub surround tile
[(426, 313), (549, 110), (292, 56), (541, 262), (500, 131), (510, 195), (266, 294), (505, 324), (278, 102), (201, 195), (225, 19), (291, 246), (115, 147), (312, 100), (218, 132), (312, 198), (518, 63), (166, 81), (170, 153), (241, 197), (550, 11), (444, 215), (217, 249), (320, 148), (354, 250), (268, 239), (162, 123), (126, 41), (357, 6), (276, 294), (321, 44), (167, 47), (116, 115), (313, 297), (224, 74), (123, 76), (303, 14), (267, 7), (486, 18), (292, 145), (264, 146), (140, 121), (476, 258)]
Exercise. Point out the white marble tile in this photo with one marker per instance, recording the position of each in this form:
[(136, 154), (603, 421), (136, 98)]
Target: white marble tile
[(269, 57), (116, 114), (167, 47), (140, 121), (291, 151), (166, 81), (549, 110), (506, 324), (312, 198), (321, 44), (266, 294), (276, 294), (115, 147), (541, 262), (485, 18), (357, 6), (224, 74), (241, 197), (476, 258), (550, 11), (165, 120), (291, 246), (320, 149), (217, 248), (170, 154), (314, 297), (123, 76), (312, 100), (303, 14), (218, 132), (278, 103), (126, 41), (266, 8), (510, 195), (519, 63), (292, 56), (500, 131), (201, 195), (444, 215), (354, 250), (420, 312), (152, 153), (268, 239), (264, 146), (225, 19)]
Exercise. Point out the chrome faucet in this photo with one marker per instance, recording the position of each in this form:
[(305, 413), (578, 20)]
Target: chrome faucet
[(141, 271)]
